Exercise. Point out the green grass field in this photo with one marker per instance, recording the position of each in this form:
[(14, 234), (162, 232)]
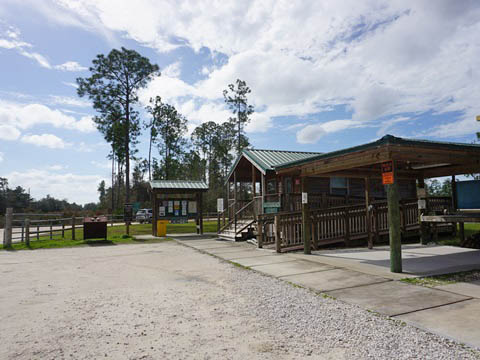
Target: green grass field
[(115, 235)]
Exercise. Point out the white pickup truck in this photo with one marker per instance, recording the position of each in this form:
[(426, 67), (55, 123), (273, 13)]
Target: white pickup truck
[(144, 215)]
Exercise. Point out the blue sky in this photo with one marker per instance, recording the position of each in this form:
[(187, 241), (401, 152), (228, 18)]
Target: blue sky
[(324, 75)]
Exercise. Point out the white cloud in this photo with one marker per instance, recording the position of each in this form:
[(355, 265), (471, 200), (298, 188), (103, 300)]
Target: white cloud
[(68, 100), (23, 117), (71, 66), (45, 140), (8, 132), (101, 165), (379, 58), (57, 167), (13, 42), (73, 187), (311, 134), (173, 70)]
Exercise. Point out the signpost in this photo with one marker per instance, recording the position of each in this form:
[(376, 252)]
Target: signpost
[(128, 213), (387, 173), (304, 198)]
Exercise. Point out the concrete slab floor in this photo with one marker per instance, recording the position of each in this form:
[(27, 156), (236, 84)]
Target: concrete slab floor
[(264, 260), (211, 246), (458, 321), (465, 288), (225, 249), (241, 254), (291, 268), (394, 297), (334, 279)]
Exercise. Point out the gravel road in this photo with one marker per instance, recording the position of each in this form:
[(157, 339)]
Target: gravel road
[(167, 301)]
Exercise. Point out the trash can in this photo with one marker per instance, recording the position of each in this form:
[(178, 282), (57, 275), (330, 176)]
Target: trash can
[(162, 227)]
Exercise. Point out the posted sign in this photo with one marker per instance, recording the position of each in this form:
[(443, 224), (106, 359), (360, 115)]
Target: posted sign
[(387, 173), (220, 205)]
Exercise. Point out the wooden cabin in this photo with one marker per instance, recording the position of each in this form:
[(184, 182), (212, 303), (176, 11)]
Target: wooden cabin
[(255, 188)]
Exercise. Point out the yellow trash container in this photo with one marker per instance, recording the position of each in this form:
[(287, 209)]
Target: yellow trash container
[(162, 227)]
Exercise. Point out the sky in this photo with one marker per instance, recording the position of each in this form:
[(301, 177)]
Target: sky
[(324, 75)]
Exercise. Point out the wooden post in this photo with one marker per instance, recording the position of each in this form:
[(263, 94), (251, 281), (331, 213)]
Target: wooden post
[(462, 232), (278, 241), (38, 232), (73, 227), (23, 232), (424, 228), (368, 217), (260, 233), (154, 213), (27, 232), (306, 231), (7, 236), (454, 202), (235, 197), (201, 213), (347, 227), (262, 185), (51, 230), (197, 218), (63, 228), (394, 227), (254, 181)]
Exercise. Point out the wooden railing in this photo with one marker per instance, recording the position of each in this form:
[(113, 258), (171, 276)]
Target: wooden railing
[(339, 223)]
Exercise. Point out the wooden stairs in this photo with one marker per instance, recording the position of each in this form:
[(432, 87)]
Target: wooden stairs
[(241, 225)]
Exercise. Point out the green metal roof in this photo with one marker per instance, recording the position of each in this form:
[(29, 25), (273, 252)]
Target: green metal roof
[(179, 184), (266, 160), (386, 140)]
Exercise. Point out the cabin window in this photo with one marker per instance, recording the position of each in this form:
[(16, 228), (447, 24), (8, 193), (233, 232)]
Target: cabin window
[(338, 186), (271, 186)]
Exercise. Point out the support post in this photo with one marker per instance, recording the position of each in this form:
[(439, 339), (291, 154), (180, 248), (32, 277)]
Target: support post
[(306, 233), (73, 227), (235, 197), (7, 237), (278, 241), (197, 218), (154, 212), (27, 232), (63, 228), (262, 185), (462, 232), (260, 233), (51, 230), (347, 227), (394, 227), (424, 228), (201, 213), (368, 215)]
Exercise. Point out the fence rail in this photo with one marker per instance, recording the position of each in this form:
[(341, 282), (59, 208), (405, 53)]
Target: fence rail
[(340, 223)]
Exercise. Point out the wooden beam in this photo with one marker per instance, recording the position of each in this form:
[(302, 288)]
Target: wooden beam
[(254, 181), (450, 170), (395, 234), (345, 162)]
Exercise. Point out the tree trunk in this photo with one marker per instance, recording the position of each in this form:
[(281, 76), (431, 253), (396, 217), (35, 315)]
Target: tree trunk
[(150, 158), (127, 157)]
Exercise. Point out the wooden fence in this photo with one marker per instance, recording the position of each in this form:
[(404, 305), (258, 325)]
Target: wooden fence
[(340, 223)]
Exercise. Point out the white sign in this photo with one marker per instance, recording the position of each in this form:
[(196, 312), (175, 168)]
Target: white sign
[(220, 205), (184, 207), (192, 207), (422, 204), (161, 211), (304, 198)]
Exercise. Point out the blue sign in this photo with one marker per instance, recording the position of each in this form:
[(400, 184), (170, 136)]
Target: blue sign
[(468, 194)]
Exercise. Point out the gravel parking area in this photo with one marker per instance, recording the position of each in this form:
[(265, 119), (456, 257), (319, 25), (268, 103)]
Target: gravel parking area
[(168, 301)]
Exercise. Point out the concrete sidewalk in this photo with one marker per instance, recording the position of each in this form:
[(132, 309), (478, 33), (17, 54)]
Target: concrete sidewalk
[(362, 277)]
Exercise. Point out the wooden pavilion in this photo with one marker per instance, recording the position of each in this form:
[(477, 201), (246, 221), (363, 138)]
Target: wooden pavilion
[(392, 209)]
